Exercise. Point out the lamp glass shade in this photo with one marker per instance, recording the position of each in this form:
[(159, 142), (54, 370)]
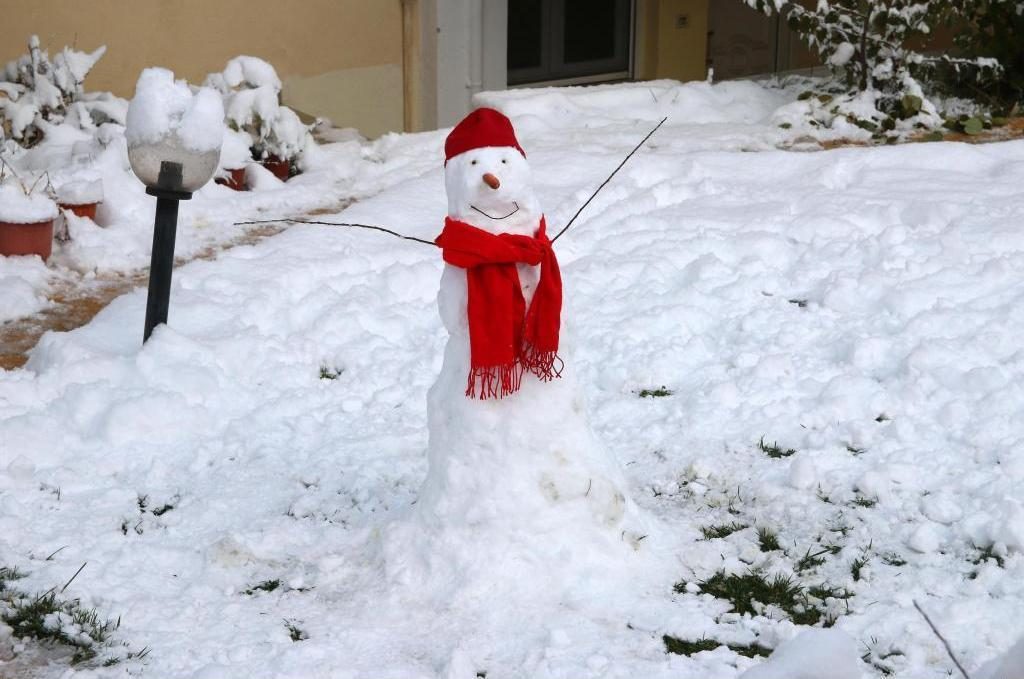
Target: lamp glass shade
[(197, 167)]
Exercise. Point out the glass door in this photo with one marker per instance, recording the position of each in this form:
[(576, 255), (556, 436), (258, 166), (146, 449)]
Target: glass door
[(564, 40)]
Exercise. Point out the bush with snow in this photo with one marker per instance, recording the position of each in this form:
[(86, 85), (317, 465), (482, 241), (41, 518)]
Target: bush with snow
[(993, 29), (252, 91), (879, 80), (37, 93)]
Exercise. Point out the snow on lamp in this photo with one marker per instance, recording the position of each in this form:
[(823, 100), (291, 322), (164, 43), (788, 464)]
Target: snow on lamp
[(174, 136)]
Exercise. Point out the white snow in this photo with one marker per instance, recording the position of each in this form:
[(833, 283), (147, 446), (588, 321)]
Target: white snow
[(80, 192), (19, 207), (235, 153), (163, 106), (843, 53), (812, 654), (251, 72), (1010, 665), (862, 306)]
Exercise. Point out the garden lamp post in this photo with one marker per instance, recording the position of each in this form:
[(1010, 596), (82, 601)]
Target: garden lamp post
[(171, 172)]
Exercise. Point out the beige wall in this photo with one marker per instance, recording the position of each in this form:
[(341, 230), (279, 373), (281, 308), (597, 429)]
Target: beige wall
[(337, 58), (672, 39)]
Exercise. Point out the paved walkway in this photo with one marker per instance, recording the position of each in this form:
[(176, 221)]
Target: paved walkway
[(75, 303)]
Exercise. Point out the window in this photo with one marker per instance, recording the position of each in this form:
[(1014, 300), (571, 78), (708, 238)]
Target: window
[(567, 39)]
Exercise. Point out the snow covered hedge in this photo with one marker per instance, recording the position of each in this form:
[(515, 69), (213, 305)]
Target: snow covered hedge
[(252, 91), (37, 93), (877, 51), (993, 29)]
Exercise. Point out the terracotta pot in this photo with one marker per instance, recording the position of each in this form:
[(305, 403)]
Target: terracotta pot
[(235, 180), (26, 239), (84, 210), (280, 168)]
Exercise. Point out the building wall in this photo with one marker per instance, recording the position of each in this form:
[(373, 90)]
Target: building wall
[(340, 59), (671, 39)]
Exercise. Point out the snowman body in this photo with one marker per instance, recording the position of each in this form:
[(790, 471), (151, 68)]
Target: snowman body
[(528, 461), (519, 490)]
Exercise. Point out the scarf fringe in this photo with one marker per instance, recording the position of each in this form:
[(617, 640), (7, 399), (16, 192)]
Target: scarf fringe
[(546, 365), (494, 381), (499, 381)]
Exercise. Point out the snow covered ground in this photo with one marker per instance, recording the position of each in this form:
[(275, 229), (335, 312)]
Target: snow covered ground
[(862, 307)]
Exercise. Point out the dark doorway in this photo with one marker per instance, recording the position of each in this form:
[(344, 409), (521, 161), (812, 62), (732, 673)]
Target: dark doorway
[(567, 39)]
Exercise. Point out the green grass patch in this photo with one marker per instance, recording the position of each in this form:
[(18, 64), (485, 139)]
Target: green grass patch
[(721, 530), (660, 392), (809, 561), (861, 501), (265, 586), (7, 575), (48, 618), (858, 564), (55, 621), (295, 633), (744, 591), (986, 554), (767, 540), (328, 373), (773, 450), (893, 559), (160, 511), (684, 647)]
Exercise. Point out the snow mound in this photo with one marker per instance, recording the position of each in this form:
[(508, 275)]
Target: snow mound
[(163, 105), (80, 192), (692, 102), (235, 153), (1010, 665), (18, 208), (812, 654)]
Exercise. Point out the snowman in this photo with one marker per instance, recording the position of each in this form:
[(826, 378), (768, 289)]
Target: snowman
[(511, 454)]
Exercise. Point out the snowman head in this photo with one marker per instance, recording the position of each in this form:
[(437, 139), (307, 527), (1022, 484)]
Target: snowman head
[(486, 174)]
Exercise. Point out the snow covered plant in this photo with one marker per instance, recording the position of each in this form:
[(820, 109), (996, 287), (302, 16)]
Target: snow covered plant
[(877, 74), (252, 92), (37, 92), (994, 29)]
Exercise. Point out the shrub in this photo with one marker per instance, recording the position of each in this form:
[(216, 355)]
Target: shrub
[(877, 53)]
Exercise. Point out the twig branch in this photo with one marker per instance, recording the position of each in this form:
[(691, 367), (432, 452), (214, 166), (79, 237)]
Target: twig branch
[(945, 643), (348, 224), (614, 172)]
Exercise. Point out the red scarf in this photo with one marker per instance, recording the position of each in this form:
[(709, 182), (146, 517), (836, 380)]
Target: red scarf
[(506, 338)]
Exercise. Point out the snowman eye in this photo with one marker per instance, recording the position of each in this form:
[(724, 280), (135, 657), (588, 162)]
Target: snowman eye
[(503, 161), (472, 162)]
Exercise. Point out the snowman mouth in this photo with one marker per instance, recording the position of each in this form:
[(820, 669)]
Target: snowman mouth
[(497, 218)]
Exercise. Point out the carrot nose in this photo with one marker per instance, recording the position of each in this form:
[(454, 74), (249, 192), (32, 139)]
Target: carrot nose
[(491, 180)]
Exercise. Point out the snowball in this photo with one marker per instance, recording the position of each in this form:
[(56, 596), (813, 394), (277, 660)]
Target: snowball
[(941, 508), (81, 192), (17, 208), (812, 654), (163, 105), (925, 539)]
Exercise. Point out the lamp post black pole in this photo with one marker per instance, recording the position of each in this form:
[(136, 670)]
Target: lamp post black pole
[(165, 227)]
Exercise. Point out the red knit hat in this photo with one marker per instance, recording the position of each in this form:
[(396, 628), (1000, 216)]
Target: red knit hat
[(481, 128)]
